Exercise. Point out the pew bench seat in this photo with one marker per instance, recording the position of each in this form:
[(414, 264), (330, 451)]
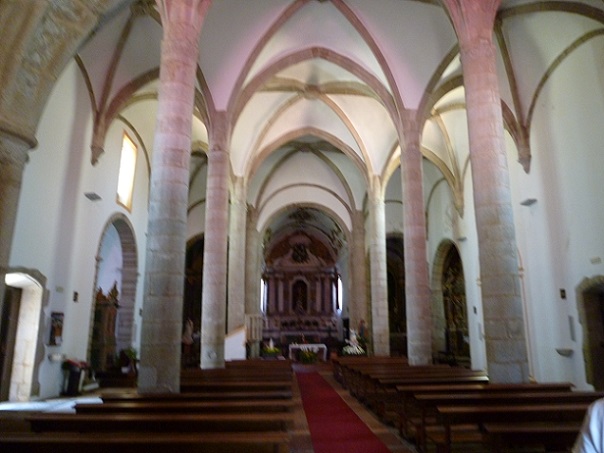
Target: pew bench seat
[(122, 422), (210, 442), (241, 406)]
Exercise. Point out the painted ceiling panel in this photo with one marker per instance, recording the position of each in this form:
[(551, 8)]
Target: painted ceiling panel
[(304, 196), (373, 125), (229, 35), (250, 125), (534, 44), (414, 37), (305, 169), (318, 25), (141, 52), (317, 71), (309, 114)]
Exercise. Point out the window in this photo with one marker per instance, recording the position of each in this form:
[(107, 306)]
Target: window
[(263, 296), (125, 182)]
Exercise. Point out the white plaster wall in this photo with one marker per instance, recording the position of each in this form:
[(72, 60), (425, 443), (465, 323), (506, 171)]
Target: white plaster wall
[(566, 224), (445, 223), (111, 263), (393, 203), (58, 229)]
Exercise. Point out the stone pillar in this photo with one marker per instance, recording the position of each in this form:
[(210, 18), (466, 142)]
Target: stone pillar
[(380, 330), (252, 273), (280, 296), (357, 308), (166, 231), (236, 277), (417, 287), (319, 304), (272, 291), (213, 302), (506, 345), (13, 156), (327, 296)]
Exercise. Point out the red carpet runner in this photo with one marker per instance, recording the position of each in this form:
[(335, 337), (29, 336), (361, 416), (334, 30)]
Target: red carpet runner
[(334, 427)]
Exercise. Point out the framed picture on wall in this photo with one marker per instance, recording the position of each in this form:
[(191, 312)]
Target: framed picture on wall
[(56, 328)]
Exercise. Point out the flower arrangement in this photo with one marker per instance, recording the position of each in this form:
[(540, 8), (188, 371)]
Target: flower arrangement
[(353, 350), (271, 350), (308, 356), (353, 347)]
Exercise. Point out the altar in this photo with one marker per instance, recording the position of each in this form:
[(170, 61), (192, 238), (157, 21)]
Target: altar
[(319, 348)]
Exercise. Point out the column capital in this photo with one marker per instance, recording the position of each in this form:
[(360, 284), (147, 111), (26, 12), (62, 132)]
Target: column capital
[(175, 15), (473, 20), (13, 150), (219, 132), (12, 133)]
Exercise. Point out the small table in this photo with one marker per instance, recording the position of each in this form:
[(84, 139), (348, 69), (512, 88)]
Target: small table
[(317, 347)]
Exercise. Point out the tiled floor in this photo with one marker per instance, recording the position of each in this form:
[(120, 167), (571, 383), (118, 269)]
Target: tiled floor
[(301, 442)]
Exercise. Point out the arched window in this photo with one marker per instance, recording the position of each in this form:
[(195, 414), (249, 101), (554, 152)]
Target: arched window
[(125, 182)]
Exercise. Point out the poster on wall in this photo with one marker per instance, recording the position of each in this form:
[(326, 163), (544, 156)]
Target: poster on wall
[(56, 328)]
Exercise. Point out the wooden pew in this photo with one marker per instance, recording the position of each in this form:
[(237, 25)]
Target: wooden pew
[(235, 386), (196, 407), (385, 388), (254, 374), (199, 396), (409, 411), (427, 404), (342, 365), (451, 417), (551, 436), (90, 442), (152, 422), (258, 363)]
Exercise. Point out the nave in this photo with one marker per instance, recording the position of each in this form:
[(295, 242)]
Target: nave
[(349, 404), (13, 417)]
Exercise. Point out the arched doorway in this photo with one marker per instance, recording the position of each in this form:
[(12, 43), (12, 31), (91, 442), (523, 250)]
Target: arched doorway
[(115, 287), (192, 300), (451, 336), (397, 310), (590, 301), (21, 340)]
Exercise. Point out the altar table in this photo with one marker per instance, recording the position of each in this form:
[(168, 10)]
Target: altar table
[(319, 348)]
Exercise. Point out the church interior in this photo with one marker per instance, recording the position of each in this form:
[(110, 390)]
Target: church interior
[(186, 185)]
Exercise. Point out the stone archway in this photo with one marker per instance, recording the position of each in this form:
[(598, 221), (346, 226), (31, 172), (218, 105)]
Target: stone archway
[(397, 305), (590, 305), (190, 356), (22, 334), (449, 311), (117, 265)]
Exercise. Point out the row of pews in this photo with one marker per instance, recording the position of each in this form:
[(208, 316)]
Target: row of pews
[(442, 408), (246, 406)]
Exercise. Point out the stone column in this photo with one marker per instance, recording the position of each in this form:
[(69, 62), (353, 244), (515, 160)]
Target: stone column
[(252, 273), (213, 302), (380, 330), (236, 277), (357, 308), (417, 287), (161, 329), (280, 296), (272, 291), (13, 156), (501, 295)]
